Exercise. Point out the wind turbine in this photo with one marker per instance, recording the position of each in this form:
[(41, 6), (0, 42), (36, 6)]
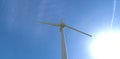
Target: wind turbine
[(62, 25)]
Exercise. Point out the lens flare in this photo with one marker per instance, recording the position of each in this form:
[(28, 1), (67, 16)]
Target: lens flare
[(106, 45)]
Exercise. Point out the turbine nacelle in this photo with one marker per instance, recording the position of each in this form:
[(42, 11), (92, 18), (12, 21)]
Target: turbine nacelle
[(62, 25)]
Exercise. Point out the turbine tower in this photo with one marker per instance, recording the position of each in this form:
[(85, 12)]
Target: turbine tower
[(63, 43)]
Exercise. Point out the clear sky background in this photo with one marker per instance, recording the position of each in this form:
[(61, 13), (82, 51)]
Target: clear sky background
[(21, 38)]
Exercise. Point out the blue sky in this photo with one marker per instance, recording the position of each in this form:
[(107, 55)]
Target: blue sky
[(21, 38)]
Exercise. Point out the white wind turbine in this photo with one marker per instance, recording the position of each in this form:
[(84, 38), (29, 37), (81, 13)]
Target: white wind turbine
[(62, 25)]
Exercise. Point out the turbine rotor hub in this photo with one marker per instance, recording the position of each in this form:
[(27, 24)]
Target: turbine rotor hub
[(62, 25)]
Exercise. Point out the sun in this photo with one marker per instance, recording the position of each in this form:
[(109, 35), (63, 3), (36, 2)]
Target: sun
[(106, 45)]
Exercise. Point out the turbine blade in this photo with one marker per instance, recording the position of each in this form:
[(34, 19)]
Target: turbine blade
[(48, 23), (78, 30)]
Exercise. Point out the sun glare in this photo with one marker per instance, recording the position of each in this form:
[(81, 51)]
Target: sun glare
[(106, 45)]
